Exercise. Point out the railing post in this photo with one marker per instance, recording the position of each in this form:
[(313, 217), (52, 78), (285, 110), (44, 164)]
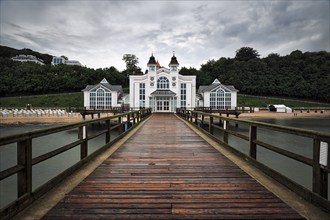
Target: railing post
[(128, 120), (191, 116), (108, 127), (196, 119), (24, 158), (120, 128), (82, 135), (225, 134), (320, 178), (252, 138), (211, 125), (138, 117), (134, 118)]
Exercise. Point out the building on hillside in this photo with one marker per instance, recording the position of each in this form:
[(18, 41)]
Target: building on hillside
[(58, 60), (61, 60), (217, 96), (162, 89), (73, 62), (28, 58), (102, 95)]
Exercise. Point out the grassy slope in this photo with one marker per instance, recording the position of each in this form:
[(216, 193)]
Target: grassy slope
[(54, 100), (259, 101), (76, 100)]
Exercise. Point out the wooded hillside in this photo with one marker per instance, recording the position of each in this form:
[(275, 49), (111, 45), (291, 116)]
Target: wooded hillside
[(302, 75)]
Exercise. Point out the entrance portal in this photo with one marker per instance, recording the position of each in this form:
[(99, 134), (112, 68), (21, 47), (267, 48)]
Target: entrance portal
[(163, 104)]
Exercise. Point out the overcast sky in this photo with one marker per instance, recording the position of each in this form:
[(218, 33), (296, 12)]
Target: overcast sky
[(99, 32)]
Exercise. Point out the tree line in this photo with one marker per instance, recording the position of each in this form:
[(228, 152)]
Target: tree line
[(302, 75)]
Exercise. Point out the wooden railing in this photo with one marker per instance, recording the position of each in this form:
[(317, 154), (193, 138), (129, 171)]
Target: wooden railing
[(210, 123), (121, 123)]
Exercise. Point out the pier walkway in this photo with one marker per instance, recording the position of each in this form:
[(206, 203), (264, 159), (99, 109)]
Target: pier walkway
[(167, 171)]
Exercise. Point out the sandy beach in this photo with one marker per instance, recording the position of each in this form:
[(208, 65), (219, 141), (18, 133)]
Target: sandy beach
[(10, 119), (266, 114), (44, 119)]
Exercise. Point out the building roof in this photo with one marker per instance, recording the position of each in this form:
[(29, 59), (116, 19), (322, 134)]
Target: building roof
[(163, 92), (152, 60), (279, 106), (174, 60), (23, 57), (216, 83), (106, 84), (158, 65)]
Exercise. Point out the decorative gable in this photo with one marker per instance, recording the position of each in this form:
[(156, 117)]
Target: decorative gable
[(106, 89), (104, 81)]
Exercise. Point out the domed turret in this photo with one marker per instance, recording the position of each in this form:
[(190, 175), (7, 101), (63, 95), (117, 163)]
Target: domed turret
[(152, 60), (174, 64), (152, 63), (174, 61)]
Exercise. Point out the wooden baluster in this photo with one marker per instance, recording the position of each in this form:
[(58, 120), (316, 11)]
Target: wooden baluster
[(108, 127), (128, 120), (24, 158), (202, 121), (211, 125), (320, 177), (120, 128), (252, 138), (225, 133), (138, 117), (82, 135)]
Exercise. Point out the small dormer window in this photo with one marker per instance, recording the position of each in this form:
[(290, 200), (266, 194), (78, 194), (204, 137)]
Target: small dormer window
[(152, 68)]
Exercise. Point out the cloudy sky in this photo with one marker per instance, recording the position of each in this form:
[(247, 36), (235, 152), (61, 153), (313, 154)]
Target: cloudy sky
[(99, 32)]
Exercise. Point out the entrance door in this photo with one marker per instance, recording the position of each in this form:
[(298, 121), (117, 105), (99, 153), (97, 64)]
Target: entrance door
[(166, 106), (163, 104), (159, 106)]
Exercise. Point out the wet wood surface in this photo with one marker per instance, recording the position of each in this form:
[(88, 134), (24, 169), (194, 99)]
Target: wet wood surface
[(166, 171)]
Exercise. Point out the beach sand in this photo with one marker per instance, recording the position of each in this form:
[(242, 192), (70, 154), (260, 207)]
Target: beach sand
[(78, 118), (45, 119), (297, 114)]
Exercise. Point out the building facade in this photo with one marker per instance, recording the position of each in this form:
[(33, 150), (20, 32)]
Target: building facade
[(28, 58), (61, 60), (162, 89), (217, 96), (102, 95)]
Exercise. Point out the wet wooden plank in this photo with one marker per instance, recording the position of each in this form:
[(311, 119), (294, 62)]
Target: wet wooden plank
[(166, 171)]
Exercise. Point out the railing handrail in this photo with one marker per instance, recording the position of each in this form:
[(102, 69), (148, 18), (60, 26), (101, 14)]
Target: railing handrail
[(319, 193), (287, 129), (25, 160), (45, 131)]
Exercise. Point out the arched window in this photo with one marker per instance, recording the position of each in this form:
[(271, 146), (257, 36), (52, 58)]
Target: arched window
[(220, 99), (163, 83), (100, 98)]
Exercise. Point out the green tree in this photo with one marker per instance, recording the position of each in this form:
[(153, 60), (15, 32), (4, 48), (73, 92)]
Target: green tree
[(64, 57), (131, 63), (246, 54)]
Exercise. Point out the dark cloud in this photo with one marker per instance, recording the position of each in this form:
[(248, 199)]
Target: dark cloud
[(98, 33)]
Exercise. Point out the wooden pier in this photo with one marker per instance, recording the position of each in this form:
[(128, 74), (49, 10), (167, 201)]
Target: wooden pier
[(167, 171)]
